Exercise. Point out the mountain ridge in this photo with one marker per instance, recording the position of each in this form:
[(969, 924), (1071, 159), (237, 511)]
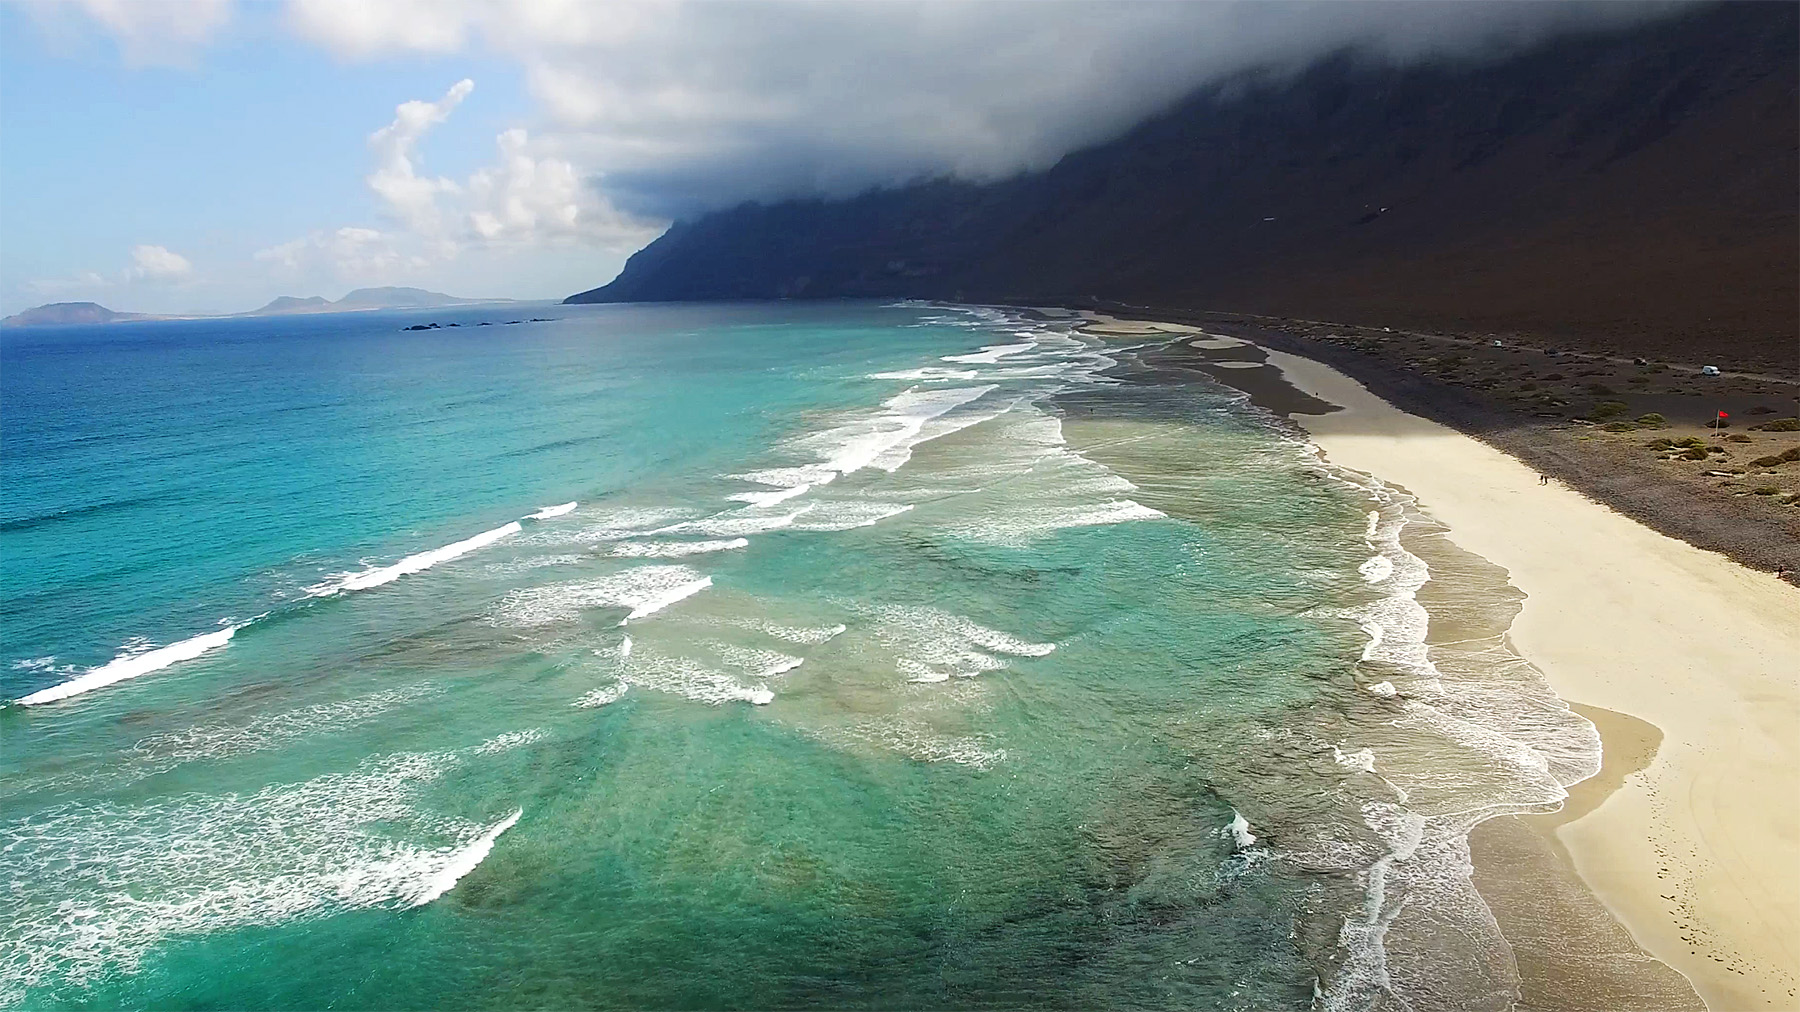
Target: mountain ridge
[(1631, 191)]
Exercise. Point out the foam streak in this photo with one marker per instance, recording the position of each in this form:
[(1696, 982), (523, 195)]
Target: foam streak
[(414, 563), (463, 862), (122, 668)]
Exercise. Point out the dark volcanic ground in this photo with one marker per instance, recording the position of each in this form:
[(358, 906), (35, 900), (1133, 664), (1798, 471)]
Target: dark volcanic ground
[(1586, 420)]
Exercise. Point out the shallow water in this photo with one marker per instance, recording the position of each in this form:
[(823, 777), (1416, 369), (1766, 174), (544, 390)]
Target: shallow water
[(890, 656)]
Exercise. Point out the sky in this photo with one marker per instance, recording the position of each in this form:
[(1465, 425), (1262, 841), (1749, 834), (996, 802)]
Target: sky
[(181, 156)]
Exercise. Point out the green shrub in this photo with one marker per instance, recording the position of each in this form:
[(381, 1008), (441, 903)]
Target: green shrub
[(1767, 490), (1780, 425), (1694, 453), (1607, 409), (1770, 461), (1619, 427), (1737, 437), (1661, 443), (1652, 420), (1600, 388), (1552, 376), (1791, 453), (1690, 441)]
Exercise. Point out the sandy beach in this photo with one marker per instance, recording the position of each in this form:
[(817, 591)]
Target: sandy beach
[(1698, 854)]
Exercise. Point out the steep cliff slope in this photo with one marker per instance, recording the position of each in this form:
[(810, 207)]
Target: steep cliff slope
[(1635, 192)]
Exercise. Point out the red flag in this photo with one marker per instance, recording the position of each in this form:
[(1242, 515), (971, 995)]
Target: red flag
[(1723, 415)]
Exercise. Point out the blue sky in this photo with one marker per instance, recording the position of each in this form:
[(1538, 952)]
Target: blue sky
[(249, 145), (177, 156)]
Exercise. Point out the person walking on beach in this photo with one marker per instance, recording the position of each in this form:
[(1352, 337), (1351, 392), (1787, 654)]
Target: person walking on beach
[(1543, 479)]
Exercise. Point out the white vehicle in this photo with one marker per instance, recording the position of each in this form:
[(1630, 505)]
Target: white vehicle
[(1709, 370)]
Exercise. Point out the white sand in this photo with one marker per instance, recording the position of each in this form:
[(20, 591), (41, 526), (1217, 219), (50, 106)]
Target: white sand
[(1699, 855), (1103, 325)]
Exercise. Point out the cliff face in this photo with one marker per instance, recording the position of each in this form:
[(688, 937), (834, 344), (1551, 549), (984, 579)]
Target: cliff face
[(1635, 192)]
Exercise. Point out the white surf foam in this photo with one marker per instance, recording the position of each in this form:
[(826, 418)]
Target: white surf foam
[(771, 498), (602, 696), (683, 676), (552, 511), (734, 524), (1376, 569), (526, 565), (608, 525), (511, 740), (883, 439), (928, 374), (1239, 831), (915, 740), (991, 353), (781, 477), (463, 862), (675, 549), (94, 886), (165, 751), (657, 602), (1361, 759), (931, 645), (411, 564), (1523, 747), (1031, 484), (633, 588), (758, 664), (134, 666), (803, 635), (844, 515)]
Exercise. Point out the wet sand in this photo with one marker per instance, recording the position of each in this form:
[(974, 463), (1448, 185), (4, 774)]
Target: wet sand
[(1684, 660), (1698, 855), (1572, 954)]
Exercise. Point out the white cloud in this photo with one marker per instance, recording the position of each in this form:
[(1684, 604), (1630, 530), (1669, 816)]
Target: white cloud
[(87, 281), (151, 266), (396, 179), (363, 28), (146, 31), (352, 253), (528, 199), (157, 263), (534, 199)]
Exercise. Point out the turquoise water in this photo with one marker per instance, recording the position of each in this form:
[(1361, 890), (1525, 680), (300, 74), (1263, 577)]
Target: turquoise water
[(698, 657)]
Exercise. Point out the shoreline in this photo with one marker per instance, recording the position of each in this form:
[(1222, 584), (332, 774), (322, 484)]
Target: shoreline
[(1695, 855), (1537, 405)]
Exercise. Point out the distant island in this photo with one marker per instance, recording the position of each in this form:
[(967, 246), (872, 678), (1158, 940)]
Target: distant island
[(63, 314), (366, 299)]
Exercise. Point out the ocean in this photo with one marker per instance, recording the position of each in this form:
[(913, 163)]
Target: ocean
[(836, 655)]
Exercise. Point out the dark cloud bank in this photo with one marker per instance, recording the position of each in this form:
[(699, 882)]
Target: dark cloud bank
[(720, 103)]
